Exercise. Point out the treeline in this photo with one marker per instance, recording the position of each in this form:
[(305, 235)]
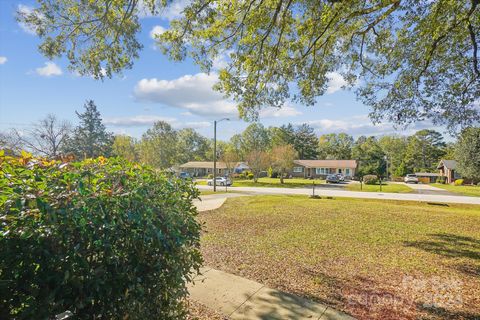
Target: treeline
[(263, 148)]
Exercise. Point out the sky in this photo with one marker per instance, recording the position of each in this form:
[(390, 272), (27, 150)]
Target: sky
[(155, 89)]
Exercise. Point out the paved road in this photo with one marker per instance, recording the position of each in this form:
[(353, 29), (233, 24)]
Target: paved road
[(427, 189), (356, 194)]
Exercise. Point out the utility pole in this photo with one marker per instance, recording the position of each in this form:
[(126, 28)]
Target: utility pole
[(215, 152), (215, 156)]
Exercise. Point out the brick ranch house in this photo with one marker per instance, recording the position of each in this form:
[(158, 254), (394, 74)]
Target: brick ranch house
[(322, 168), (448, 169), (204, 168)]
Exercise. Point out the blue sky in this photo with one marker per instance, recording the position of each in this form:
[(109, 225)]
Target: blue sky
[(155, 89)]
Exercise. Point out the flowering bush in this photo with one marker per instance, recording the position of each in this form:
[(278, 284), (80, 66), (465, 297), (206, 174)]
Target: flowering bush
[(100, 238)]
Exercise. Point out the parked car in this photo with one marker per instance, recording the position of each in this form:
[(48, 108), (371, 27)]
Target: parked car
[(332, 178), (411, 178), (184, 175), (221, 181), (340, 177)]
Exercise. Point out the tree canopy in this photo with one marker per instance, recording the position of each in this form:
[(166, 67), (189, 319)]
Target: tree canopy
[(90, 138), (408, 59), (467, 153)]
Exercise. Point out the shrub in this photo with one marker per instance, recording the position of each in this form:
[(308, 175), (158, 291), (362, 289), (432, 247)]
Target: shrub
[(100, 238), (458, 182), (210, 176), (370, 179), (441, 180), (250, 176), (242, 176)]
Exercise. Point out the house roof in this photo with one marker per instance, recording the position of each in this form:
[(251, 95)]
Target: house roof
[(327, 163), (427, 174), (449, 164), (208, 165), (203, 165)]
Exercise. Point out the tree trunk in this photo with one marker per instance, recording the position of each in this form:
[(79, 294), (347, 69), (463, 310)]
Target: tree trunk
[(281, 176)]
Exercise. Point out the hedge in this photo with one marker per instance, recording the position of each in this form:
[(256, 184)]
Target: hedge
[(103, 239)]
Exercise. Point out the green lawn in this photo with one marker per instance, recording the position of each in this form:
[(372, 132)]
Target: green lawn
[(343, 252), (465, 190), (390, 188), (271, 182)]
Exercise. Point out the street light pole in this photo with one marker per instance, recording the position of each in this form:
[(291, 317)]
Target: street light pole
[(215, 156), (215, 152), (386, 161)]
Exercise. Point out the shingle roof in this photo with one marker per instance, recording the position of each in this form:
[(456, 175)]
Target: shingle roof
[(203, 165), (427, 174), (449, 164), (327, 163)]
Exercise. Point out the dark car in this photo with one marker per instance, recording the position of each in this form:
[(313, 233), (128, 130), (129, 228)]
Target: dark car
[(184, 175), (332, 178)]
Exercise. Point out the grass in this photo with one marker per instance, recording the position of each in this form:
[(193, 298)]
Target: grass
[(272, 182), (465, 190), (371, 258), (389, 188)]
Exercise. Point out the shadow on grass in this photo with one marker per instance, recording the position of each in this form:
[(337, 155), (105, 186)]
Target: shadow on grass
[(449, 245), (443, 313)]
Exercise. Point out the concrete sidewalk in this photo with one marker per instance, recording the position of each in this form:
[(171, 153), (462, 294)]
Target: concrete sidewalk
[(214, 201), (240, 298), (357, 194)]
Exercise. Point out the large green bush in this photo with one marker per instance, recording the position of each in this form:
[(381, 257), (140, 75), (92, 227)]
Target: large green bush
[(101, 238)]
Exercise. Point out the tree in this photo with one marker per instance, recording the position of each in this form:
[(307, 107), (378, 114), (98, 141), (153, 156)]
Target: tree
[(370, 156), (158, 146), (90, 138), (125, 146), (305, 142), (282, 158), (258, 161), (9, 141), (422, 66), (283, 135), (192, 146), (467, 154), (46, 138), (230, 158), (394, 148), (335, 146), (254, 138), (424, 151)]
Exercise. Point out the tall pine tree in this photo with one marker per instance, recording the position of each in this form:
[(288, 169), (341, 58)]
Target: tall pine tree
[(305, 142), (90, 139)]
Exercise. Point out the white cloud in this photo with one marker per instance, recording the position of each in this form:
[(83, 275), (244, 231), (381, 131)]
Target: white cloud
[(50, 69), (192, 93), (285, 111), (156, 30), (336, 82), (149, 120), (3, 60), (23, 9), (172, 11), (135, 121), (221, 60), (362, 125)]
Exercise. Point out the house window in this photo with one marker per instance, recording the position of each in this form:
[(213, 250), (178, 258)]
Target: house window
[(347, 171), (297, 169)]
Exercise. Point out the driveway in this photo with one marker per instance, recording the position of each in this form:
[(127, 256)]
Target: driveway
[(426, 189), (324, 192)]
